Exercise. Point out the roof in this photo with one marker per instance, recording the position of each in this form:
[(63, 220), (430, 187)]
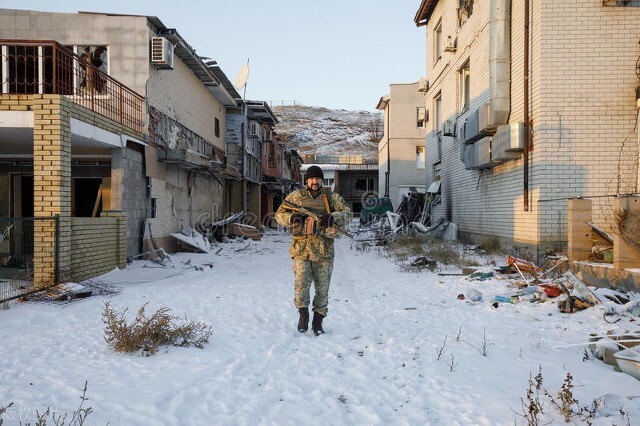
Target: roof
[(261, 111), (424, 12), (339, 167), (383, 102)]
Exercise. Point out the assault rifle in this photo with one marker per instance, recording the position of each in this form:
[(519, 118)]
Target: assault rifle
[(292, 207)]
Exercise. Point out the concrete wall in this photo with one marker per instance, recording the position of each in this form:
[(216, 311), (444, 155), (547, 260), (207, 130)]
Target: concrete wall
[(582, 106)]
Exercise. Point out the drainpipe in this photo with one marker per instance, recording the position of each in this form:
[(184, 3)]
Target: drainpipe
[(387, 182), (527, 132)]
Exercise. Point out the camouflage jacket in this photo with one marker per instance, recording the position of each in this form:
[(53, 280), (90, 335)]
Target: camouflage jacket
[(319, 244)]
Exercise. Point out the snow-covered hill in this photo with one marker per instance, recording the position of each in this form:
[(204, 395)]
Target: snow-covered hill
[(322, 131)]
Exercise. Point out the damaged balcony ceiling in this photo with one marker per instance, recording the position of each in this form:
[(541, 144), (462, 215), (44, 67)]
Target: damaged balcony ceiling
[(185, 158)]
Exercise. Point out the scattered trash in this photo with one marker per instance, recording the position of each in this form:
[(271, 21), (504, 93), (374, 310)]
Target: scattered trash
[(504, 299), (481, 276), (629, 361), (474, 295), (422, 262)]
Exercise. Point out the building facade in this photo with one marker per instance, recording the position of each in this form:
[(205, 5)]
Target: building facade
[(524, 117), (153, 157), (402, 148)]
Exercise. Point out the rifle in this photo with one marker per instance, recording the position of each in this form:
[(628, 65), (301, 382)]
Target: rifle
[(293, 207)]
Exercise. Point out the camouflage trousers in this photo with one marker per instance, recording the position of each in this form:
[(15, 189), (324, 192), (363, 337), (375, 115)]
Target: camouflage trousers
[(319, 273)]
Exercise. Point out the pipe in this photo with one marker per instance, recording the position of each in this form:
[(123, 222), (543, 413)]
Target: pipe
[(499, 62), (527, 132), (387, 183)]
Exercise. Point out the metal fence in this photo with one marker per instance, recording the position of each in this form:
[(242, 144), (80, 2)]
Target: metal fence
[(17, 255)]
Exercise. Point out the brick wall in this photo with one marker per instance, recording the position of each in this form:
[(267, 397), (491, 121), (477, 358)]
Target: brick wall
[(98, 245), (52, 177), (582, 106)]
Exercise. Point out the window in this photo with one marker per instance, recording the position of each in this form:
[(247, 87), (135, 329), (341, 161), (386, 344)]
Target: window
[(254, 129), (216, 126), (363, 184), (465, 87), (328, 182), (89, 79), (421, 157), (437, 170), (421, 117), (437, 42), (437, 106)]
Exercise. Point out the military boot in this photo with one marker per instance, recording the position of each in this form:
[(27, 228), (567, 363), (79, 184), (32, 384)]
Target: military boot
[(316, 324), (303, 321)]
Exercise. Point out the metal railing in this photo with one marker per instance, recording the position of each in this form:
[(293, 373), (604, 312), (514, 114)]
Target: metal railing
[(17, 255), (46, 67)]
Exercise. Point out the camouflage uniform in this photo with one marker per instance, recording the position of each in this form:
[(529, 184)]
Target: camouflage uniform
[(312, 254)]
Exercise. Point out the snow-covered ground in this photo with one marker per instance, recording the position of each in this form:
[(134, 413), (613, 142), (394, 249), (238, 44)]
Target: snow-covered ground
[(400, 348)]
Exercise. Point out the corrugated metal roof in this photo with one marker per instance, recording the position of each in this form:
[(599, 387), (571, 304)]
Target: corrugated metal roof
[(339, 167)]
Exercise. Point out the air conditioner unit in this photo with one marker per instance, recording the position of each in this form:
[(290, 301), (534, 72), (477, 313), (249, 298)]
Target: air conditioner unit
[(448, 128), (162, 52), (482, 154), (508, 142), (423, 85), (450, 44), (471, 130)]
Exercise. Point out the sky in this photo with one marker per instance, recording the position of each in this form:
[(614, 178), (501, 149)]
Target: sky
[(333, 53), (401, 347)]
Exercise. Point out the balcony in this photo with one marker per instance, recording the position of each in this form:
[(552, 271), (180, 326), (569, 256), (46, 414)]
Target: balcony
[(45, 67)]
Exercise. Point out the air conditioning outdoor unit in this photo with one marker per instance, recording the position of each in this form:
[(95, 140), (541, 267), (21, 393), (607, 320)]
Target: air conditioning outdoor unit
[(448, 128), (508, 142), (482, 154), (423, 85), (162, 52)]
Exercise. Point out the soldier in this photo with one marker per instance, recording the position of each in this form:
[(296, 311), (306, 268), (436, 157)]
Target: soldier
[(312, 244)]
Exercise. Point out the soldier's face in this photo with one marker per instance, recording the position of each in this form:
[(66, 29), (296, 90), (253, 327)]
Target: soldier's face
[(314, 183)]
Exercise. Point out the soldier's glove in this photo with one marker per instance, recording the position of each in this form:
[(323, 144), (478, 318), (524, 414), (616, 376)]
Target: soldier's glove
[(327, 221), (297, 218)]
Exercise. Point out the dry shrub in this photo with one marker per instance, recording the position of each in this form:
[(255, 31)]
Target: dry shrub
[(443, 252), (147, 334), (490, 244), (629, 227)]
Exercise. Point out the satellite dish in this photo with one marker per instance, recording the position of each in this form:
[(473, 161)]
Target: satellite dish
[(241, 78)]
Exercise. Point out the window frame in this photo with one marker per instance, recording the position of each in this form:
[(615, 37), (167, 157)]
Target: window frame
[(464, 78), (421, 157), (437, 41)]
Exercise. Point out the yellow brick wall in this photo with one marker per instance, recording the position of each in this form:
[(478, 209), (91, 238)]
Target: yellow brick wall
[(52, 193), (98, 245)]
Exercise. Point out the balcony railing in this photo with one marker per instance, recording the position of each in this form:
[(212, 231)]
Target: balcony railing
[(46, 67)]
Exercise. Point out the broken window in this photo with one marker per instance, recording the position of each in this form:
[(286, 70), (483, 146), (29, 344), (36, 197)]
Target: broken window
[(89, 78)]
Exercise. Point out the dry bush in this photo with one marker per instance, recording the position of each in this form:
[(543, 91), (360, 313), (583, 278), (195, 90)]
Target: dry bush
[(443, 252), (490, 245), (78, 417), (147, 334), (629, 227)]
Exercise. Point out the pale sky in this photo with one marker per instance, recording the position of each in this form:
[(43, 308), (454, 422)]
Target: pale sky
[(339, 54)]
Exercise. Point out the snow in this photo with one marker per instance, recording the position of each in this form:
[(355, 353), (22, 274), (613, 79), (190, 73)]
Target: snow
[(377, 363), (329, 132)]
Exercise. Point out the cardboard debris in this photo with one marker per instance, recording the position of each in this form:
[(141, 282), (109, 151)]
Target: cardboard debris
[(243, 230)]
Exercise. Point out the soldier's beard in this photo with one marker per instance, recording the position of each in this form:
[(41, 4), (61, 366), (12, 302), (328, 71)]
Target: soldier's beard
[(314, 188)]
